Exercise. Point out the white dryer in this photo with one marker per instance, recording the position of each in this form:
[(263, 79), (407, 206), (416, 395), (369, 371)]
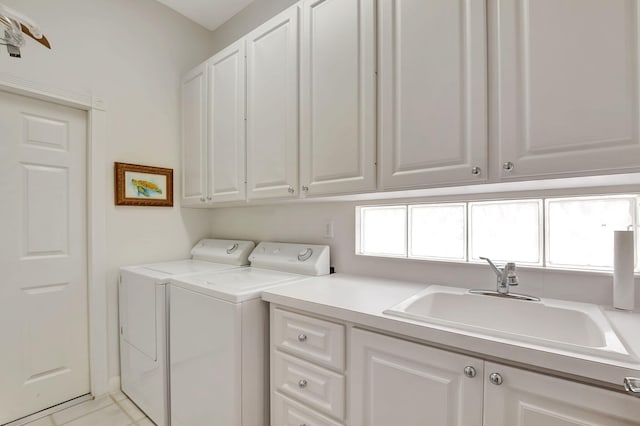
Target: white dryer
[(219, 330), (143, 307)]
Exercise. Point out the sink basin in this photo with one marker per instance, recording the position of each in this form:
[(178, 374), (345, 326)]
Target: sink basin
[(577, 327)]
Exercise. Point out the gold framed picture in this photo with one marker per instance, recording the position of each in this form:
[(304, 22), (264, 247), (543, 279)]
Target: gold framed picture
[(137, 185)]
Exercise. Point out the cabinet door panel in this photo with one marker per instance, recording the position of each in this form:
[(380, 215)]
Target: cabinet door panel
[(530, 399), (272, 108), (338, 104), (433, 92), (565, 78), (226, 72), (194, 136), (396, 382)]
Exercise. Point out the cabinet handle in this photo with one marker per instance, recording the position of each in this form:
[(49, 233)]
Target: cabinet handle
[(632, 385), (302, 338), (495, 379), (202, 199), (476, 171), (305, 188), (302, 383), (469, 371), (508, 166), (291, 190), (209, 198)]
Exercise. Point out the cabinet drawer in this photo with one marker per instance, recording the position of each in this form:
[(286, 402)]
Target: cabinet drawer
[(287, 412), (310, 338), (317, 387)]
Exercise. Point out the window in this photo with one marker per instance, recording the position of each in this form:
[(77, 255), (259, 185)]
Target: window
[(580, 230), (438, 231), (384, 230), (506, 231), (569, 233)]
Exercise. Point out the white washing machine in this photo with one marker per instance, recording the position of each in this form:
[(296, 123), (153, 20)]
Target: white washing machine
[(219, 328), (143, 306)]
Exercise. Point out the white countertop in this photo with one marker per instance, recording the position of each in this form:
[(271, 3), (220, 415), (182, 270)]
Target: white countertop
[(362, 300)]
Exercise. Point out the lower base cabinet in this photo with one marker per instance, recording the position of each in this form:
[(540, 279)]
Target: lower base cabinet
[(394, 381), (524, 398), (391, 381)]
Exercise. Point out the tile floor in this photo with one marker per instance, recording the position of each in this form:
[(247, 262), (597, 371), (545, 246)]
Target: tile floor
[(109, 410)]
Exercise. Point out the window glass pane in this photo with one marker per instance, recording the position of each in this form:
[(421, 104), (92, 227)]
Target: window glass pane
[(383, 230), (437, 231), (506, 231), (580, 231)]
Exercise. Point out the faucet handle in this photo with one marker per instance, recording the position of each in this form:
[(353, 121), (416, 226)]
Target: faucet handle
[(510, 272)]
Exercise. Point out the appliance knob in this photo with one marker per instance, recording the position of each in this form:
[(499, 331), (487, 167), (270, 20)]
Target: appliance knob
[(232, 248), (305, 254)]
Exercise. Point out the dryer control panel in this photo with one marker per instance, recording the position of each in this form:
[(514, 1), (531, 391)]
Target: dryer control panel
[(306, 259)]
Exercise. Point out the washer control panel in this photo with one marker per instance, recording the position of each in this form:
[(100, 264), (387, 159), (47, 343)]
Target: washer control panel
[(307, 259)]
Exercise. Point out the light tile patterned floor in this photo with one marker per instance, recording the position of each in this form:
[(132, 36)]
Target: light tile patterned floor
[(110, 410)]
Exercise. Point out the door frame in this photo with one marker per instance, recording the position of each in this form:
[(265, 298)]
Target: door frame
[(97, 181)]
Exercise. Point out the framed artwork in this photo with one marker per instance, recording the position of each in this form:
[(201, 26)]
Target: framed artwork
[(137, 185)]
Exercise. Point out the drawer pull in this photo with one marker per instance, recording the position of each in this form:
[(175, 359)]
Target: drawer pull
[(302, 338), (302, 383)]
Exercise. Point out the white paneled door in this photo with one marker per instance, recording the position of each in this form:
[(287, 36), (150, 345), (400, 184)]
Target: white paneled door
[(43, 286), (564, 77), (226, 147), (272, 108), (337, 97), (433, 92)]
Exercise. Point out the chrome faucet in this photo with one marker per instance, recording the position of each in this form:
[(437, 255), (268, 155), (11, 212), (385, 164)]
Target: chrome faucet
[(506, 276)]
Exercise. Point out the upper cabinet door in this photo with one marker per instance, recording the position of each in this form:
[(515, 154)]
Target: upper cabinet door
[(272, 108), (338, 100), (565, 86), (433, 92), (194, 136), (226, 72), (396, 382)]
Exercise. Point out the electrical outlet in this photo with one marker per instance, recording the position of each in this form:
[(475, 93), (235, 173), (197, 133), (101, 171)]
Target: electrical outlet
[(328, 230)]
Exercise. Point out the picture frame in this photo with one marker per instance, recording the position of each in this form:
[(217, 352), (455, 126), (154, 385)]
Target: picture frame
[(138, 185)]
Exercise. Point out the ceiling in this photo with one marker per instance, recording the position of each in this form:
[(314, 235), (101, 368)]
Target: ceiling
[(208, 13)]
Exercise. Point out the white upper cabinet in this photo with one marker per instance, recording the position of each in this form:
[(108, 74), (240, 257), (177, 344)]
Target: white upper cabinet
[(272, 108), (396, 382), (194, 136), (565, 87), (433, 92), (226, 119), (524, 398), (338, 97)]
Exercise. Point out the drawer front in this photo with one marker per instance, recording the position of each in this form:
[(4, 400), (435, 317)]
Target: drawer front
[(287, 412), (315, 386), (310, 338)]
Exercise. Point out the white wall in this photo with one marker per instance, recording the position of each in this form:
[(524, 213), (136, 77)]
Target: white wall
[(305, 223), (252, 16), (132, 54)]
